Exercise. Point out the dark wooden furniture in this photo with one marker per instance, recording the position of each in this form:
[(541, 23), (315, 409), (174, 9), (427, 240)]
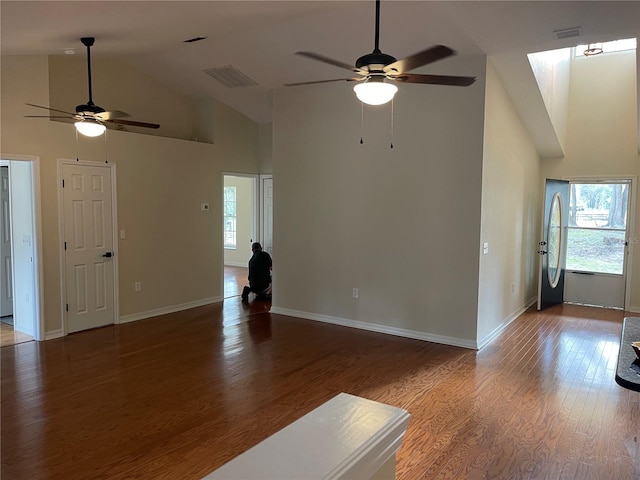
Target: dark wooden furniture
[(628, 370)]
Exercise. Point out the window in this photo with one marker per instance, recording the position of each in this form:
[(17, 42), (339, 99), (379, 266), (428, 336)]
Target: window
[(597, 227), (608, 47), (229, 217)]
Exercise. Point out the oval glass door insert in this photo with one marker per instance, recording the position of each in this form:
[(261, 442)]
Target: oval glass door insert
[(554, 240)]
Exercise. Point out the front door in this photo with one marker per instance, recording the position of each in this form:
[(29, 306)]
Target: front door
[(553, 246), (88, 238)]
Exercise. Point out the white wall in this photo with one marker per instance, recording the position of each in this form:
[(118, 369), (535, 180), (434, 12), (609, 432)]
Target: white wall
[(171, 246), (510, 213), (402, 225), (245, 204), (602, 131), (552, 70)]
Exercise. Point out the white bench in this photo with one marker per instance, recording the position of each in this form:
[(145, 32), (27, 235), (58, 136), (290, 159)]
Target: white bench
[(347, 437)]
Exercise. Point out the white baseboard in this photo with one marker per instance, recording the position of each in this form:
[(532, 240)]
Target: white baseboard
[(498, 330), (634, 309), (51, 334), (398, 332), (171, 309), (236, 264)]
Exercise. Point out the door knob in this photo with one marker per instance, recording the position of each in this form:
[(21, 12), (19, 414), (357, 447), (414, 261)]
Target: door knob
[(108, 255)]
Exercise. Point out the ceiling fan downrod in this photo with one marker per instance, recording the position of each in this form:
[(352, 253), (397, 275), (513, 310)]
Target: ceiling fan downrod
[(377, 34), (90, 106)]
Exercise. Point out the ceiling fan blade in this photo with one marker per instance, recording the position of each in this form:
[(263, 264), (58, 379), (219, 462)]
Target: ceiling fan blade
[(48, 108), (323, 81), (419, 59), (435, 79), (330, 61), (47, 116), (111, 115), (133, 123)]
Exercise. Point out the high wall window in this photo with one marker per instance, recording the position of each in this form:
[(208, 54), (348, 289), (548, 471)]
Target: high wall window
[(608, 47), (230, 205), (597, 227)]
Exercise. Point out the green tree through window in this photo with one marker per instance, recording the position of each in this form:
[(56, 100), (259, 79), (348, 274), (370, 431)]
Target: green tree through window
[(229, 205)]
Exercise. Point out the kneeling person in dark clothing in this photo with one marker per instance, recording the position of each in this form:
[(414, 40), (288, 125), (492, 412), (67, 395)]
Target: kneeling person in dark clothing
[(259, 273)]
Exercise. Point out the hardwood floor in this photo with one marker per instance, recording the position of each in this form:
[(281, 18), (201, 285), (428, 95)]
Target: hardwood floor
[(234, 279), (8, 336), (176, 396)]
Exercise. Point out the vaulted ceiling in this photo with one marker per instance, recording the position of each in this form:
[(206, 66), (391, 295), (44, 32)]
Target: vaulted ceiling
[(259, 38)]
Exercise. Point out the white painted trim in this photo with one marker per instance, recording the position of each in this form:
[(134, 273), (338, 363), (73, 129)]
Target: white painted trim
[(634, 309), (373, 327), (38, 328), (260, 203), (50, 335), (355, 453), (235, 264), (114, 233), (487, 339), (171, 309)]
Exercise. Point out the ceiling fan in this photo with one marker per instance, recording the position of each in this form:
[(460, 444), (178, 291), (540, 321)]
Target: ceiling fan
[(376, 69), (90, 118)]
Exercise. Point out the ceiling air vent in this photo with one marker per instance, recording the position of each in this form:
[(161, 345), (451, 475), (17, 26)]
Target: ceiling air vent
[(230, 76), (567, 33)]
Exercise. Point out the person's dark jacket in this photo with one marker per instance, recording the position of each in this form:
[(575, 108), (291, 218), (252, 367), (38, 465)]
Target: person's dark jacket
[(260, 271)]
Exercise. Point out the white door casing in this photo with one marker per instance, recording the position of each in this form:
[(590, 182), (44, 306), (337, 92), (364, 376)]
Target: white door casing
[(89, 237), (267, 214), (26, 246), (6, 276)]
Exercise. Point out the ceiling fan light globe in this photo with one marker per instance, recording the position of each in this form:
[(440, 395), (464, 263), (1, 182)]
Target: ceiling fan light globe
[(90, 128), (375, 93)]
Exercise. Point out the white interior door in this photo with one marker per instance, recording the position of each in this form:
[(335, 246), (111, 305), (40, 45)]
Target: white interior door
[(6, 298), (267, 214), (89, 252)]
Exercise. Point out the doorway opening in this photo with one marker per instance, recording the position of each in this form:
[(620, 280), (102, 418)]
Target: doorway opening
[(21, 302), (598, 233), (240, 203)]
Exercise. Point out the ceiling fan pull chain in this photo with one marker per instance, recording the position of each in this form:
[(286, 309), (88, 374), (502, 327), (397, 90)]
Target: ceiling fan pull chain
[(361, 123), (105, 147), (77, 156), (392, 111)]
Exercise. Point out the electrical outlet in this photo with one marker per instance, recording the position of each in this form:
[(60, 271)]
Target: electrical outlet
[(138, 286), (355, 293)]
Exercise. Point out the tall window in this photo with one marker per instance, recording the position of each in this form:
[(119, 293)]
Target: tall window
[(597, 227), (230, 217)]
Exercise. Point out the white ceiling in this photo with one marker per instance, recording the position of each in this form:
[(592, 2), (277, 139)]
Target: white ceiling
[(260, 37)]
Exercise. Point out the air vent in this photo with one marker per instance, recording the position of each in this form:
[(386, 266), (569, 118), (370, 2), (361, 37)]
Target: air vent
[(567, 33), (230, 76)]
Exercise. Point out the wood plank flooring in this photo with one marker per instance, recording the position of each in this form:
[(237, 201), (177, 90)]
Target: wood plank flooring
[(8, 336), (176, 396)]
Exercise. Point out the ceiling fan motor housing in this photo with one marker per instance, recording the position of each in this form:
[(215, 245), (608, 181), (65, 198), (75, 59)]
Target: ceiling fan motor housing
[(374, 62), (89, 107)]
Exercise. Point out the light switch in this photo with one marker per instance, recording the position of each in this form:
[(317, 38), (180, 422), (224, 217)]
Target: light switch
[(122, 235), (204, 207), (485, 248)]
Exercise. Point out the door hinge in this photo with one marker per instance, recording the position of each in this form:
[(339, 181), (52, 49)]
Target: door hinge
[(63, 183), (65, 245), (67, 307)]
